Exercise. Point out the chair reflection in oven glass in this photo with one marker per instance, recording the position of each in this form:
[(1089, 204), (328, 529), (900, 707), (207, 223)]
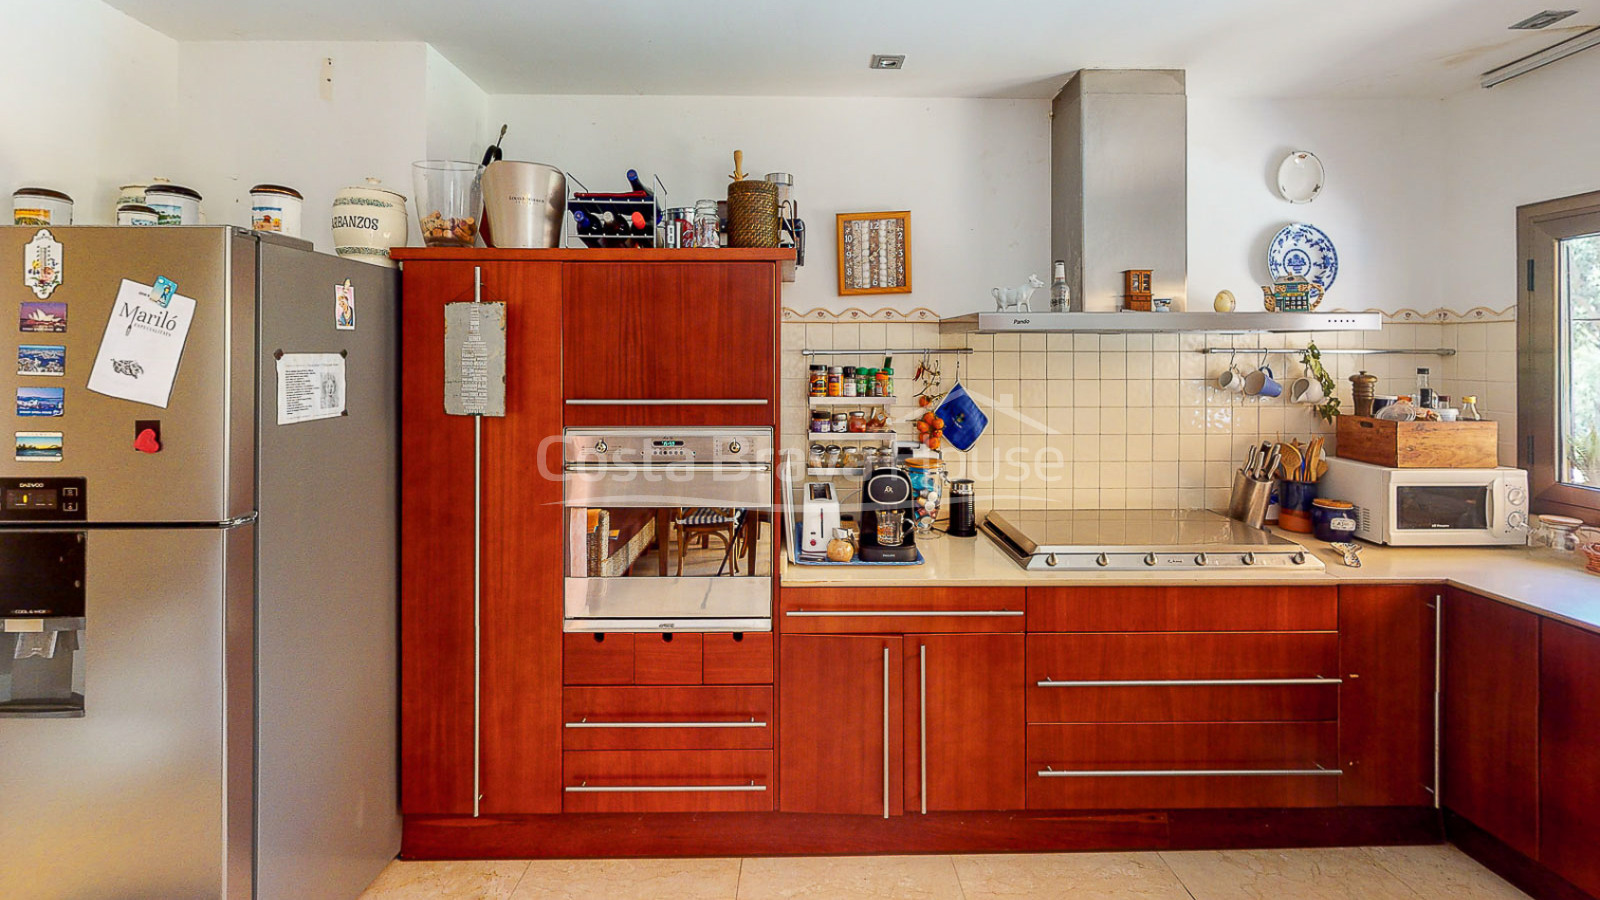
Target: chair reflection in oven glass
[(727, 524)]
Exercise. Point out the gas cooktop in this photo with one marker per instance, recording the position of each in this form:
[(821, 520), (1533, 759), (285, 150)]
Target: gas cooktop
[(1064, 540)]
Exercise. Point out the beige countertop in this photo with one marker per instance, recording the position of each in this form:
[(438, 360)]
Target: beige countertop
[(1513, 575)]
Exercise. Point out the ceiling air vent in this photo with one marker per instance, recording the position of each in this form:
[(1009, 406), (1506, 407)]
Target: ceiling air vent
[(1543, 19), (888, 61)]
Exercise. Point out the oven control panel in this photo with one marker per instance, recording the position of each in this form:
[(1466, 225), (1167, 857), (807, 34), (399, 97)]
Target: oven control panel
[(43, 500), (652, 446)]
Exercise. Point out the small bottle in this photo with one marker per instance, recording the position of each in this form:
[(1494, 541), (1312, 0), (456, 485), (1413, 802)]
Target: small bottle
[(887, 376), (819, 381), (1469, 409), (1425, 397), (849, 381), (1060, 295), (835, 381)]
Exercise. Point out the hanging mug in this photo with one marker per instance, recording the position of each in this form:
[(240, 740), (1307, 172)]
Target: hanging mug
[(1260, 383)]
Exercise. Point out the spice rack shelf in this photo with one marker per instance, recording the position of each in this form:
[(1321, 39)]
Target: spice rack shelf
[(813, 472), (851, 401), (853, 435)]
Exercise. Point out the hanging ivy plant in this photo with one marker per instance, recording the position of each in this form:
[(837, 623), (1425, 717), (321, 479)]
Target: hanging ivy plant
[(1328, 409)]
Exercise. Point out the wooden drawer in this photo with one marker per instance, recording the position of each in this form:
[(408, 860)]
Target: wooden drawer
[(1269, 608), (901, 610), (744, 658), (1211, 764), (667, 658), (1183, 677), (667, 718), (599, 658), (630, 781)]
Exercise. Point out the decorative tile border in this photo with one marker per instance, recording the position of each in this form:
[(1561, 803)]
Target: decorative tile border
[(1440, 316)]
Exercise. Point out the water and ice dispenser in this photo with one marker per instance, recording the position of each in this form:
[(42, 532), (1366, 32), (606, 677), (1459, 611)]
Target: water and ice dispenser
[(41, 600)]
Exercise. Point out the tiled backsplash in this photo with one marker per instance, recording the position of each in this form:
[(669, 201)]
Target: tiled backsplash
[(1134, 421)]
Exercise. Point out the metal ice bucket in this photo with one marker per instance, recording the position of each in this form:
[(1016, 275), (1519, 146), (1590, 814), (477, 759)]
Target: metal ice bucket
[(524, 205)]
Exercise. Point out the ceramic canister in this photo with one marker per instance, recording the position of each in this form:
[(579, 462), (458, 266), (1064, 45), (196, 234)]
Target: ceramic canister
[(367, 221), (131, 195), (276, 208), (41, 207), (137, 214), (175, 204)]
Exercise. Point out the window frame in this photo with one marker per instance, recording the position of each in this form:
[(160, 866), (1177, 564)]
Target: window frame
[(1540, 229)]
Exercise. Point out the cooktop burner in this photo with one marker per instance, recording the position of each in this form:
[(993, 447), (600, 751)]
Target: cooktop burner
[(1139, 539)]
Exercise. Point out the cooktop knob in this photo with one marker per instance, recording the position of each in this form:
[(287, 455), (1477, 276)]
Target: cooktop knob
[(1149, 559), (1050, 559), (1298, 559), (1102, 560), (735, 446), (1200, 559), (601, 446), (1249, 559)]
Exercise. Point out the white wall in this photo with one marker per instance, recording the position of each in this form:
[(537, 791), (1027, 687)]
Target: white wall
[(457, 112), (974, 173), (1380, 204), (87, 102), (1530, 139), (254, 111)]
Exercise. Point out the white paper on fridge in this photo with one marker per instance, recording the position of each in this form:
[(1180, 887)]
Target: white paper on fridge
[(310, 387), (139, 353)]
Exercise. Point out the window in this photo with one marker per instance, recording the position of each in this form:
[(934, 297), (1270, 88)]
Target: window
[(1558, 354)]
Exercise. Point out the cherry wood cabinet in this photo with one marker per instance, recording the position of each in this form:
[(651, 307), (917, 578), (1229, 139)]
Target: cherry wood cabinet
[(930, 609), (1129, 608), (1386, 701), (1569, 753), (840, 732), (639, 336), (519, 757), (1490, 752), (965, 732)]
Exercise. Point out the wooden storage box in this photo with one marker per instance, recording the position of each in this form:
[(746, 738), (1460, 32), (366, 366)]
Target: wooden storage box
[(1419, 445)]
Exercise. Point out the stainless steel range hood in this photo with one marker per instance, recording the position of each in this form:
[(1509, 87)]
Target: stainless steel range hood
[(1135, 322)]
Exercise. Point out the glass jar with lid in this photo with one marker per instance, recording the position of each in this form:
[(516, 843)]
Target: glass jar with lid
[(1556, 537), (707, 229)]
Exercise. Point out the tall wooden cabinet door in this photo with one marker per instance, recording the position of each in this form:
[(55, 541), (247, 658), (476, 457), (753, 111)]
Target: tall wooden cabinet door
[(840, 731), (666, 333), (1386, 658), (1491, 718), (522, 540), (1569, 753), (965, 724), (436, 636)]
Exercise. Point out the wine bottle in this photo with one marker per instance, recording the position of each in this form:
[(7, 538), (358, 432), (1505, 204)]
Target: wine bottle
[(584, 223), (607, 221), (637, 185), (639, 222)]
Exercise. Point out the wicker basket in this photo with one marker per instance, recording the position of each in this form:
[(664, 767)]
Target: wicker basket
[(752, 214)]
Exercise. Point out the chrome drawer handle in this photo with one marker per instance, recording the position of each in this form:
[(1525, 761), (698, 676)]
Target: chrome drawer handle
[(1187, 682), (686, 401), (822, 614), (585, 723), (1048, 772), (666, 788)]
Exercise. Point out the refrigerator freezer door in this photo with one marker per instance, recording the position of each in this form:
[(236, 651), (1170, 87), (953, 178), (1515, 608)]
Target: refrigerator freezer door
[(206, 449), (129, 799), (327, 624)]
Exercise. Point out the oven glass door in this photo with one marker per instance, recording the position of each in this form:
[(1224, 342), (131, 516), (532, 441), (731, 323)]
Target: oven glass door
[(1453, 507)]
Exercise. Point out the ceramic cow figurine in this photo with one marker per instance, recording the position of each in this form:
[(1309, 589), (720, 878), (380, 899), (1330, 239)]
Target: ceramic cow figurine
[(1016, 298)]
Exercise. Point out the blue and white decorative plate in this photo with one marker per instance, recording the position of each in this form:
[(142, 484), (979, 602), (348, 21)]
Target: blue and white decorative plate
[(1305, 251)]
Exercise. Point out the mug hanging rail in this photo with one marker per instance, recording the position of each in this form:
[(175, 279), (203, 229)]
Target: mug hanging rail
[(1328, 351), (958, 351)]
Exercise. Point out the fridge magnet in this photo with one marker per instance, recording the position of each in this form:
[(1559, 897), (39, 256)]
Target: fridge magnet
[(162, 291), (41, 264), (310, 387), (38, 446), (50, 318), (874, 252), (41, 401), (344, 306), (139, 352), (41, 359)]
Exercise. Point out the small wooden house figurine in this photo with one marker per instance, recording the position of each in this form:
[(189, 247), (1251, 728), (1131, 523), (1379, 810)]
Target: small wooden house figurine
[(1136, 289)]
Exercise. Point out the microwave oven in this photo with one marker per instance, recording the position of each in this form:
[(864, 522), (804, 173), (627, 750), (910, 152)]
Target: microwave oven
[(1431, 507)]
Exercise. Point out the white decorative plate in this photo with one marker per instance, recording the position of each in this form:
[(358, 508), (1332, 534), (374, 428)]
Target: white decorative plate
[(1305, 251), (1300, 177)]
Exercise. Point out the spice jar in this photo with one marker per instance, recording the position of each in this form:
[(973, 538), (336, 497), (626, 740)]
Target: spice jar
[(815, 456), (849, 381), (1363, 388), (820, 422), (851, 458), (857, 423), (863, 381), (835, 381), (819, 381), (831, 456), (841, 423)]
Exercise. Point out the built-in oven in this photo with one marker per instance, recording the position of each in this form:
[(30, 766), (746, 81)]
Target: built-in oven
[(1431, 507), (668, 529)]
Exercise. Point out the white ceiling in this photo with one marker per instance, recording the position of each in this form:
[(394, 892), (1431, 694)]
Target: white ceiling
[(954, 48)]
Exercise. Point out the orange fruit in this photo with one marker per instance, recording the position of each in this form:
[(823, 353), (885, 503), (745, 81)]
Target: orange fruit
[(938, 423), (933, 442), (922, 427)]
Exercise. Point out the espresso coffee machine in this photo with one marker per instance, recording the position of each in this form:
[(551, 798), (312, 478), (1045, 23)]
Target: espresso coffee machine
[(886, 506)]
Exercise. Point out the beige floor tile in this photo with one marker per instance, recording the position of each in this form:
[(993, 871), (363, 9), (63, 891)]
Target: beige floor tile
[(629, 879), (1327, 874), (1441, 872), (470, 880), (850, 878), (1080, 876)]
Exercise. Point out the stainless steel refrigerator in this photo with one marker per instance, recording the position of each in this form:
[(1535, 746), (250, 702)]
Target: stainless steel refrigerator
[(198, 653)]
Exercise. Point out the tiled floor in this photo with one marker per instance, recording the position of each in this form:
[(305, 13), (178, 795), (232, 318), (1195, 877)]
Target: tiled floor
[(1355, 873)]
